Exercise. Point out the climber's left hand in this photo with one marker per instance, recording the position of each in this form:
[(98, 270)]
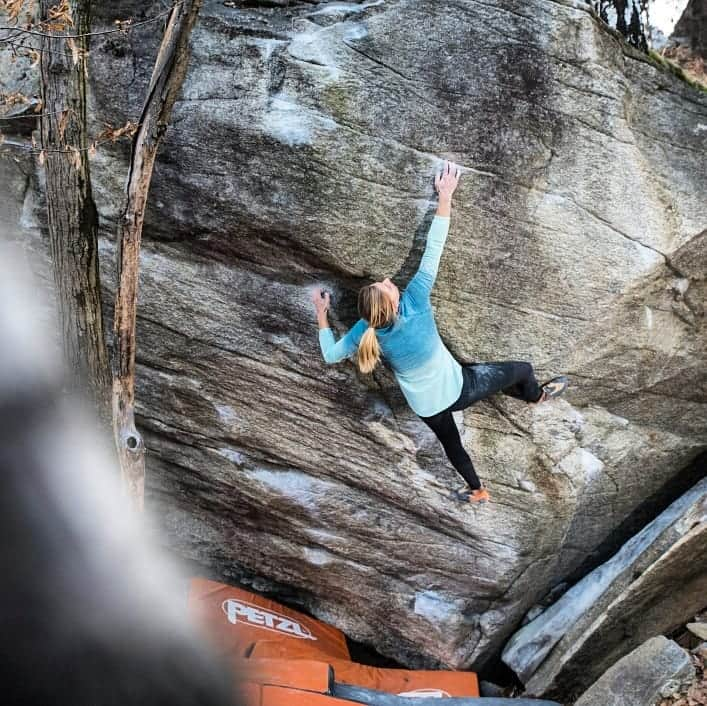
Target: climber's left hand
[(321, 301)]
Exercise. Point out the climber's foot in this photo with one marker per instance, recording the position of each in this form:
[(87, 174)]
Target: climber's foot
[(552, 388), (468, 495)]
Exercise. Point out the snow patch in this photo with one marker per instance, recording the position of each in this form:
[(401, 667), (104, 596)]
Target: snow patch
[(490, 621), (649, 317), (582, 463), (527, 485), (649, 257), (266, 45), (337, 8), (28, 217), (295, 485), (227, 414), (680, 285), (355, 30), (323, 536), (318, 557), (591, 465), (436, 608), (311, 46), (293, 124), (231, 455)]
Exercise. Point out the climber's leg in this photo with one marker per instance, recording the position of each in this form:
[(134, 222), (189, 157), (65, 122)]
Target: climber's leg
[(445, 429), (514, 378), (526, 387)]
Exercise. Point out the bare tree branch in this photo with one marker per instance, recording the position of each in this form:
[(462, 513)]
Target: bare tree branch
[(167, 78), (129, 25)]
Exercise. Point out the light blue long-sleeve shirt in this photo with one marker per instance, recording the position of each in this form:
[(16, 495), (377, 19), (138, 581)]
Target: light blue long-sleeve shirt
[(428, 375)]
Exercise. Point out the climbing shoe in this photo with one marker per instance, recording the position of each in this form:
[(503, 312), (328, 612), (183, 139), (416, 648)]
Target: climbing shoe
[(553, 388), (467, 495)]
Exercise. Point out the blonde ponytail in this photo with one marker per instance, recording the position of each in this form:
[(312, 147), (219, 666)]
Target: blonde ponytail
[(369, 352), (375, 307)]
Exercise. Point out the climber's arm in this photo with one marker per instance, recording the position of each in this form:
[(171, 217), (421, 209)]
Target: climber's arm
[(333, 350), (436, 237), (421, 284)]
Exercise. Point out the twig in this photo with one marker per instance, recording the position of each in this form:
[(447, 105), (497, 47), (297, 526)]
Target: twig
[(87, 34), (33, 115), (19, 45), (33, 150)]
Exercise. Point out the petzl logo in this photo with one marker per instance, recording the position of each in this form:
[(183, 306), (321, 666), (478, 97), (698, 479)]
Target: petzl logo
[(259, 618), (425, 693)]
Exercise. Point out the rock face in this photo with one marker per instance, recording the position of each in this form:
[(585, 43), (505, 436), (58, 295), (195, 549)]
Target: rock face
[(698, 629), (302, 152), (691, 28), (655, 670), (653, 584)]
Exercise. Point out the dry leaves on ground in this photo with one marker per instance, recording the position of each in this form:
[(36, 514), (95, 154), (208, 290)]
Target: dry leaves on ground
[(688, 61)]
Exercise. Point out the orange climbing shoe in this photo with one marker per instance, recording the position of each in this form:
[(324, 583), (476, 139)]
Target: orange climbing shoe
[(479, 496), (467, 495)]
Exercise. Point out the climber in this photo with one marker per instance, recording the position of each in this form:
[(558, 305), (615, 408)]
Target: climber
[(403, 330)]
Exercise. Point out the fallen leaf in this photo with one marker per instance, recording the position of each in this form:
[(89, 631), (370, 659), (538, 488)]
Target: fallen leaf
[(123, 25), (74, 157), (12, 8), (59, 16), (15, 98), (63, 122), (112, 133)]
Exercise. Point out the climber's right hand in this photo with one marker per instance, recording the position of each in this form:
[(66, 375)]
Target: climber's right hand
[(447, 181)]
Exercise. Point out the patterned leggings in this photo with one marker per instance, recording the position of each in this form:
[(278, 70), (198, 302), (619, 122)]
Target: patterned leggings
[(481, 380)]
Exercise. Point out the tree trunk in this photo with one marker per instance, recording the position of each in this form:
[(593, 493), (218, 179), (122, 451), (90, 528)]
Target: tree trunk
[(167, 78), (72, 215)]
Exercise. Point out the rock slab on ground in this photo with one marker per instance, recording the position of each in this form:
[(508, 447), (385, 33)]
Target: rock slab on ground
[(656, 582), (655, 670)]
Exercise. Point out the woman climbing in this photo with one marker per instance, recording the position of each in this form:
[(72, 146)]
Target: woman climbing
[(403, 330)]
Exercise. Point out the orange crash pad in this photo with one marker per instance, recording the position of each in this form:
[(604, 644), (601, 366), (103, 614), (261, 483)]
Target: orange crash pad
[(286, 657), (279, 696), (273, 649), (235, 619), (304, 674), (393, 681), (406, 682)]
